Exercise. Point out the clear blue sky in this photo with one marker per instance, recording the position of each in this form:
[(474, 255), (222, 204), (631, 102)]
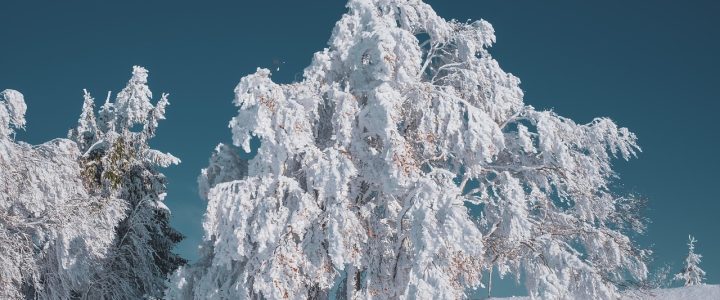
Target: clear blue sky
[(651, 66)]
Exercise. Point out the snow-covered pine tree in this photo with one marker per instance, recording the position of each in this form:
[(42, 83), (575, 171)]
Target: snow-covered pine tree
[(691, 273), (86, 131), (368, 168), (53, 233), (118, 163)]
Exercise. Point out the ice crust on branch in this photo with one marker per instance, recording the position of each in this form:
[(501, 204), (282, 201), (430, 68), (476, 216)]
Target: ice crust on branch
[(366, 169)]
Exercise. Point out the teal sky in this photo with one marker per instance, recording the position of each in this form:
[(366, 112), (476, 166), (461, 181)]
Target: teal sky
[(652, 66)]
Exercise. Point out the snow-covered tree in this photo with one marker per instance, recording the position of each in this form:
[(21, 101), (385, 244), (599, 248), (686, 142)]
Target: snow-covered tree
[(84, 218), (691, 273), (53, 233), (85, 133), (117, 162), (368, 170)]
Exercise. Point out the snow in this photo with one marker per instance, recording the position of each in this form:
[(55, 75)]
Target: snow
[(54, 233), (699, 292), (12, 111), (133, 102), (703, 291)]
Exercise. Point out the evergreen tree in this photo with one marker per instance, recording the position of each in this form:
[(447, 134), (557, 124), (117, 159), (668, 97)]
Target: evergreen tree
[(369, 168), (691, 274), (86, 132), (119, 163)]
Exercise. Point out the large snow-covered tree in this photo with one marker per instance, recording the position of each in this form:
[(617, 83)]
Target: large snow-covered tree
[(691, 274), (117, 162), (406, 165)]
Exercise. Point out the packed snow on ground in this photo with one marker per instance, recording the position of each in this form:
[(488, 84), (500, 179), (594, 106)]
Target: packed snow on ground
[(698, 292), (704, 291)]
